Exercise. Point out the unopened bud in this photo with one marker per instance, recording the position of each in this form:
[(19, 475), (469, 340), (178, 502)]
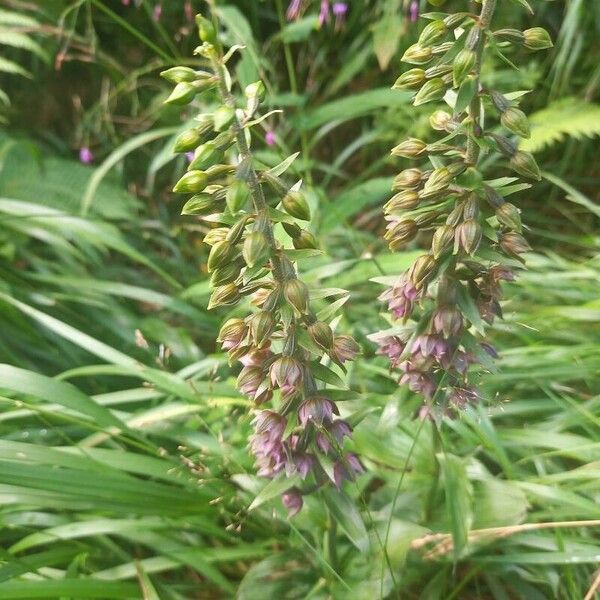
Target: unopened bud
[(468, 236), (305, 241), (206, 156), (225, 274), (492, 196), (524, 164), (410, 148), (463, 63), (187, 141), (296, 206), (404, 200), (471, 207), (256, 248), (438, 180), (221, 253), (447, 320), (416, 55), (206, 30), (432, 33), (499, 101), (192, 182), (261, 326), (430, 92), (296, 293), (413, 78), (223, 117), (232, 333), (515, 121), (422, 270), (255, 90), (237, 195), (179, 75), (202, 204), (509, 216), (443, 239), (218, 234), (182, 94), (401, 233), (514, 243), (225, 295), (511, 35), (456, 215), (321, 335), (407, 179), (505, 145), (440, 120), (537, 38)]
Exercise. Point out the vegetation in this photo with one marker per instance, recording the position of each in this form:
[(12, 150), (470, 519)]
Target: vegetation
[(125, 470)]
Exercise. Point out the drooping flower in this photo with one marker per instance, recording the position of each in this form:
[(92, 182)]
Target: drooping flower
[(344, 348), (413, 11), (293, 10), (292, 500), (401, 298), (85, 155), (324, 13), (318, 410), (270, 138), (339, 10)]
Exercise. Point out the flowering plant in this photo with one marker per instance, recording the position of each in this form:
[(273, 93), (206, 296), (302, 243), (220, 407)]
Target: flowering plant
[(448, 296), (283, 344)]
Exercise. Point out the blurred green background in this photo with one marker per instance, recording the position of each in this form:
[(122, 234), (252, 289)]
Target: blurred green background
[(123, 463)]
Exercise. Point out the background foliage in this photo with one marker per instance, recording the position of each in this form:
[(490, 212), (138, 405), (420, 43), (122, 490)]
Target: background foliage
[(123, 468)]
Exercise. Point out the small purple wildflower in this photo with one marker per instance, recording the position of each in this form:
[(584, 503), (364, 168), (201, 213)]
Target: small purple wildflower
[(292, 500), (324, 13), (414, 11), (190, 156), (157, 12), (293, 10), (270, 138), (85, 155), (339, 10)]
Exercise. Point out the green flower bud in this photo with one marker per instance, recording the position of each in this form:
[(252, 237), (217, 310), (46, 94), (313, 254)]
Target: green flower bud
[(217, 171), (404, 200), (235, 233), (182, 94), (509, 216), (499, 101), (410, 148), (452, 21), (191, 182), (494, 199), (202, 204), (471, 207), (225, 295), (218, 234), (432, 33), (206, 30), (436, 2), (438, 180), (256, 248), (468, 236), (463, 64), (413, 78), (238, 193), (233, 331), (296, 206), (524, 164), (296, 293), (261, 326), (432, 91), (179, 75), (515, 121), (225, 274), (537, 38), (422, 270), (514, 244), (220, 254), (440, 120), (188, 140), (510, 35), (442, 240), (456, 215), (292, 229), (305, 241), (401, 233), (321, 335), (416, 55), (223, 117), (438, 71), (407, 179), (206, 156)]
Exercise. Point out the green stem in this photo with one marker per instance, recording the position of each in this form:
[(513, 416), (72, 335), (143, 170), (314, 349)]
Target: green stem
[(483, 23)]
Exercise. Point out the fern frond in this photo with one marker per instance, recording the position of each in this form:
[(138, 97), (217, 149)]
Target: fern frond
[(16, 19), (566, 117), (8, 66), (15, 39)]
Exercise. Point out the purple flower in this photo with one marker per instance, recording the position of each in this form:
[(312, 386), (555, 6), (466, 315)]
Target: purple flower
[(249, 381), (270, 138), (190, 156), (447, 320), (292, 500), (286, 373), (339, 11), (460, 397), (157, 12), (317, 409), (347, 468), (418, 382), (429, 345), (293, 10), (344, 349), (392, 347), (303, 463), (414, 11), (336, 430), (400, 298), (256, 358), (85, 155), (266, 443), (324, 14)]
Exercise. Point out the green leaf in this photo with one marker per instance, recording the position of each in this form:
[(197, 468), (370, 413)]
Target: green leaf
[(274, 488), (344, 511), (323, 373)]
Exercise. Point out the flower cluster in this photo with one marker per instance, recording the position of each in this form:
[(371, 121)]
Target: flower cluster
[(283, 345), (338, 9), (449, 294)]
